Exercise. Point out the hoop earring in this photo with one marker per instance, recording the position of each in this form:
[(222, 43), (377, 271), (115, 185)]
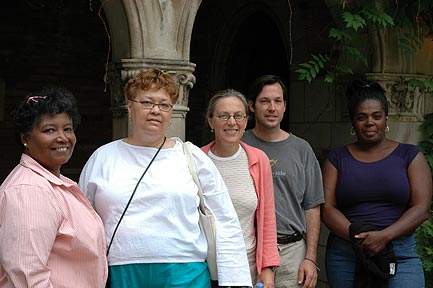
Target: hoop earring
[(352, 131), (386, 129)]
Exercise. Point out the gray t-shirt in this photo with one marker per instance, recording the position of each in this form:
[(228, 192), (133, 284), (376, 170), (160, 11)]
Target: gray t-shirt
[(297, 180)]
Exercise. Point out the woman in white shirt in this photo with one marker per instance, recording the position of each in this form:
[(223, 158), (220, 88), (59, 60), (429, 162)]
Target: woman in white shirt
[(158, 242)]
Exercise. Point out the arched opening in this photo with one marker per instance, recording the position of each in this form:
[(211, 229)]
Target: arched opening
[(230, 53), (257, 49)]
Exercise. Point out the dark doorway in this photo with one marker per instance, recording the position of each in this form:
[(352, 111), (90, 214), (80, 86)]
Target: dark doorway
[(230, 53), (257, 50)]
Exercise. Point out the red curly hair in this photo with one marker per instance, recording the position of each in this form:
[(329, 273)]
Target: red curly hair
[(152, 79)]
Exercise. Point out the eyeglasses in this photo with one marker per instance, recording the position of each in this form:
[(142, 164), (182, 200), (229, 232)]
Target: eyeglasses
[(226, 116), (149, 105)]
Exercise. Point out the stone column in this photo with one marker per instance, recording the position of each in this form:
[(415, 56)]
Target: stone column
[(397, 72), (127, 69), (407, 105), (144, 34)]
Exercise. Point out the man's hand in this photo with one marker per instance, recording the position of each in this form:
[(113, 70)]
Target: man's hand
[(307, 275)]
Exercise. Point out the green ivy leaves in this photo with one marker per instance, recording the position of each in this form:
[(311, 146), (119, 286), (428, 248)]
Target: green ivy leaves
[(355, 20), (310, 69)]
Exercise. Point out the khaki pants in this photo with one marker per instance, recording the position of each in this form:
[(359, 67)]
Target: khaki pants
[(291, 257)]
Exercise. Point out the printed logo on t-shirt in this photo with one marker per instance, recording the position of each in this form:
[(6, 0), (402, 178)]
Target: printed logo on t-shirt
[(275, 172), (273, 162)]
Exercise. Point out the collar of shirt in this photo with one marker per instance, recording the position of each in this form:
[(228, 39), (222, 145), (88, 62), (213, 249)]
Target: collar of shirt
[(28, 162)]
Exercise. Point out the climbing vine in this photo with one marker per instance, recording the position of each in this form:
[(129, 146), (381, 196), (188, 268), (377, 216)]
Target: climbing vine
[(411, 19)]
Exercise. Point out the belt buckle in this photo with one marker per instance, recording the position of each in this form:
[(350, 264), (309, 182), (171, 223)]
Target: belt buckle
[(289, 238)]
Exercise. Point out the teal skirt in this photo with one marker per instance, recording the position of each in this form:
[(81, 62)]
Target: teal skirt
[(160, 275)]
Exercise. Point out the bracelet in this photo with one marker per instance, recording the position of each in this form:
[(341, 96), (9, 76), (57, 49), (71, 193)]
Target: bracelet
[(315, 263)]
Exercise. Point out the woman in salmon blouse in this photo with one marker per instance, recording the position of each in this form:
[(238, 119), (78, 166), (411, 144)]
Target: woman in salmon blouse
[(50, 236)]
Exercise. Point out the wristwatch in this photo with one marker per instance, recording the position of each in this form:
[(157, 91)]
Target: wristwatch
[(273, 268)]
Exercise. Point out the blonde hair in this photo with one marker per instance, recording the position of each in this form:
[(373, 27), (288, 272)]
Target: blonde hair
[(224, 94)]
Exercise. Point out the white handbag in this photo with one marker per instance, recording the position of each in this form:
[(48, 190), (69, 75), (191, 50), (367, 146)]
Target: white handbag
[(207, 222)]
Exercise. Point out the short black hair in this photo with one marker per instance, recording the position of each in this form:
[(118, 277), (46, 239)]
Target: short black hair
[(257, 86), (360, 90), (49, 100)]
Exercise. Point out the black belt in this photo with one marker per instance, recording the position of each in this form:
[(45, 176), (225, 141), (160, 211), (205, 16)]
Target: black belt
[(289, 238)]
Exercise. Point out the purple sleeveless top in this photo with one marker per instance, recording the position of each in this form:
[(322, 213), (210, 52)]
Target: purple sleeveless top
[(377, 192)]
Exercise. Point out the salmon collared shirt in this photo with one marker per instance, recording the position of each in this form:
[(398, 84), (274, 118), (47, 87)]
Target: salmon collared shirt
[(50, 236)]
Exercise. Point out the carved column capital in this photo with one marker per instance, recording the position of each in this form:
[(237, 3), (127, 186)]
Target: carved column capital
[(115, 85), (126, 69), (405, 100)]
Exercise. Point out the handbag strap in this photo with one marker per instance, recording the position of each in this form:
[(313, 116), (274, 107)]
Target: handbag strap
[(132, 195), (193, 171)]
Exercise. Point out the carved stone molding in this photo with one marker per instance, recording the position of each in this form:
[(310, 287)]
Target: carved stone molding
[(406, 102), (120, 72), (126, 69), (115, 85), (186, 81), (403, 98)]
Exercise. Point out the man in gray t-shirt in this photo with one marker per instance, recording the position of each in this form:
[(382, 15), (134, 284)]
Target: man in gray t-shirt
[(297, 184)]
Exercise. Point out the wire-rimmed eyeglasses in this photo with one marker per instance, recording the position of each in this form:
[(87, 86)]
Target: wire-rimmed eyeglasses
[(226, 116), (149, 105)]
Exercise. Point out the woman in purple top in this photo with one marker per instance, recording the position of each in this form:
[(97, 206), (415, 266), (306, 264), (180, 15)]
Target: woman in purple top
[(379, 182)]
